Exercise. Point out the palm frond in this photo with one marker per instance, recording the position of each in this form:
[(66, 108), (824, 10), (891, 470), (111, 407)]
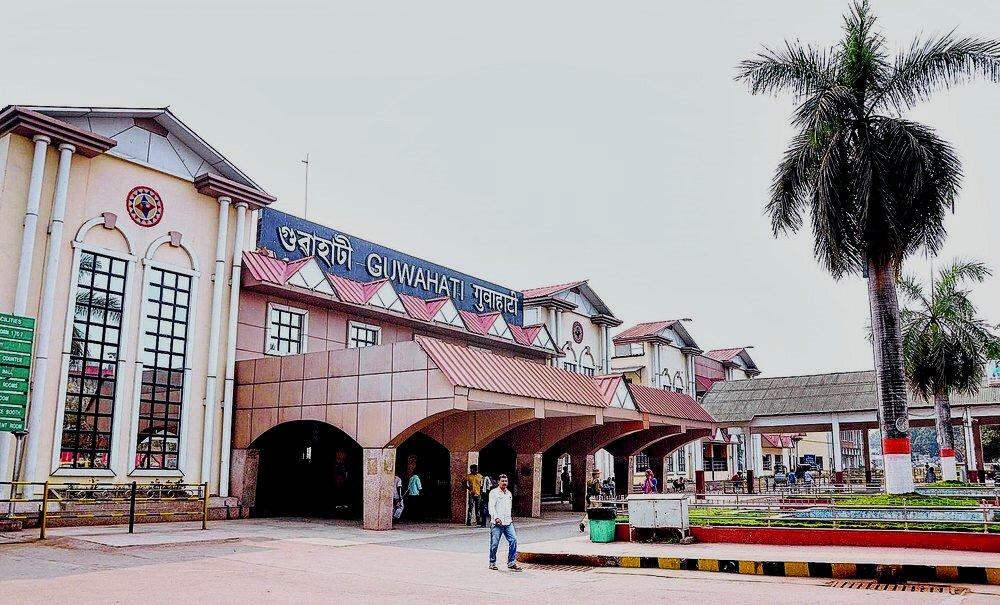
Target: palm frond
[(799, 69), (937, 64)]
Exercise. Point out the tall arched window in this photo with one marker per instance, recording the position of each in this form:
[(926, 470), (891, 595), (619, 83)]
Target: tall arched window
[(163, 368), (92, 380)]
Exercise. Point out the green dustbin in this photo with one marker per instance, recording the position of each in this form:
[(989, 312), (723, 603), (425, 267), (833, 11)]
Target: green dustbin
[(602, 531), (602, 524)]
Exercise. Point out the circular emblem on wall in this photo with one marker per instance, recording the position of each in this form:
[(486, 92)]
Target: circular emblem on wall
[(144, 206), (902, 424), (577, 332)]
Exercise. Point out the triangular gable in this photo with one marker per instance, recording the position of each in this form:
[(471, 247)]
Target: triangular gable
[(622, 397), (309, 275), (446, 313), (384, 296), (499, 327), (540, 337), (153, 136)]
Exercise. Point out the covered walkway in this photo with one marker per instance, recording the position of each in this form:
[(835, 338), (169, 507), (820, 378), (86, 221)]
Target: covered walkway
[(838, 402), (382, 399)]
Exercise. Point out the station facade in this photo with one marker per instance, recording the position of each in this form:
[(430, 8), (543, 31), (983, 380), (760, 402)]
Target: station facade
[(119, 231)]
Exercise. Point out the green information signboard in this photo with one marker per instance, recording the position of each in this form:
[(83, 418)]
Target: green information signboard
[(16, 337)]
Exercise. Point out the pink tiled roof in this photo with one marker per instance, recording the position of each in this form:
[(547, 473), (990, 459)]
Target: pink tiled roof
[(724, 354), (608, 384), (264, 268), (348, 290), (420, 308), (643, 330), (705, 383), (776, 440), (484, 371), (550, 290), (668, 403)]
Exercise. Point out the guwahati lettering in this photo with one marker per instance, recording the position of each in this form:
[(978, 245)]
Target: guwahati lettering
[(491, 300), (402, 272), (334, 251)]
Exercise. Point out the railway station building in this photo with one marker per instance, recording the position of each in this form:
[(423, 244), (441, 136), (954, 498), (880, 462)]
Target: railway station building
[(121, 232)]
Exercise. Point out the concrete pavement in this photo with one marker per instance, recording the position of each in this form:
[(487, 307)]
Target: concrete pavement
[(312, 561)]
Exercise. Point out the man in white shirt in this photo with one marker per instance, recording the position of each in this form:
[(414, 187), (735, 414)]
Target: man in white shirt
[(500, 506)]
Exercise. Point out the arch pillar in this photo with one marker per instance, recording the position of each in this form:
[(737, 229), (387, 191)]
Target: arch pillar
[(582, 445), (377, 492)]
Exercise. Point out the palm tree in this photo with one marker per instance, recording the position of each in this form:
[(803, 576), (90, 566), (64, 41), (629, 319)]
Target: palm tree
[(876, 185), (946, 345)]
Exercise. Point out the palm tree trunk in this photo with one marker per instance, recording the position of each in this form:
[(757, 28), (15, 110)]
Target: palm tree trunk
[(945, 434), (890, 380)]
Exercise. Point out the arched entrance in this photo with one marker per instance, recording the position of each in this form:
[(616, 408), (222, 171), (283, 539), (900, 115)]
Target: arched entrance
[(498, 458), (307, 468), (430, 460)]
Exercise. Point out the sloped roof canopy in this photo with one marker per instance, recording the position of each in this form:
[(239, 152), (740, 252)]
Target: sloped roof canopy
[(740, 401), (671, 331), (573, 295), (738, 356), (668, 403)]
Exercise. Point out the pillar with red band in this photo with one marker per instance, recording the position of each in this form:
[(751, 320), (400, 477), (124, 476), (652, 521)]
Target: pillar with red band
[(896, 445)]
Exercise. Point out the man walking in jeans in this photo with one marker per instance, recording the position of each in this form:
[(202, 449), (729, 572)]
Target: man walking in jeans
[(500, 505)]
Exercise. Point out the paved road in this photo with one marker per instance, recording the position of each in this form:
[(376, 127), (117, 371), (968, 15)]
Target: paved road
[(301, 561)]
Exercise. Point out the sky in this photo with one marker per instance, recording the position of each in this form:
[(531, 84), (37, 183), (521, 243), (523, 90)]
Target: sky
[(528, 143)]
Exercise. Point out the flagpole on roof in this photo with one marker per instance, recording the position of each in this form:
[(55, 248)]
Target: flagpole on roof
[(305, 209)]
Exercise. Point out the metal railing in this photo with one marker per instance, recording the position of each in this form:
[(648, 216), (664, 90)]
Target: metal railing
[(96, 500)]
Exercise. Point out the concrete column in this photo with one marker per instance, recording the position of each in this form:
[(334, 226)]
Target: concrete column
[(529, 485), (970, 446), (243, 475), (556, 333), (607, 348), (230, 384), (379, 475), (838, 462), (977, 443), (582, 469), (460, 463), (50, 287), (24, 268), (757, 450), (699, 468), (866, 452), (214, 334)]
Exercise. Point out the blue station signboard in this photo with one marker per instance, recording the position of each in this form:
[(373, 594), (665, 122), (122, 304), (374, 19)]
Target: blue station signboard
[(290, 237)]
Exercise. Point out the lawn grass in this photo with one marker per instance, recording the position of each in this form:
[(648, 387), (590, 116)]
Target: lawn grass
[(900, 500)]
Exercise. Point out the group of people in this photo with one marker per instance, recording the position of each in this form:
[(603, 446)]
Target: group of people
[(409, 498)]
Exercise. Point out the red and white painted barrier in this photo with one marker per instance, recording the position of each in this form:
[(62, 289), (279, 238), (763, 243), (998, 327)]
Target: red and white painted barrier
[(898, 468)]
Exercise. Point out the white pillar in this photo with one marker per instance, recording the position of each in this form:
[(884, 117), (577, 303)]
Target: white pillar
[(214, 332), (655, 380), (757, 449), (970, 443), (30, 224), (234, 304), (24, 266), (44, 333), (556, 333), (838, 462), (607, 348)]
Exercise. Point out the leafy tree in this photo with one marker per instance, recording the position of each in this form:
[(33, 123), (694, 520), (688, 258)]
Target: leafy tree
[(946, 345), (876, 186)]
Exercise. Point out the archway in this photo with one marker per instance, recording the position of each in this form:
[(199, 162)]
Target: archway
[(498, 457), (307, 468), (428, 459)]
